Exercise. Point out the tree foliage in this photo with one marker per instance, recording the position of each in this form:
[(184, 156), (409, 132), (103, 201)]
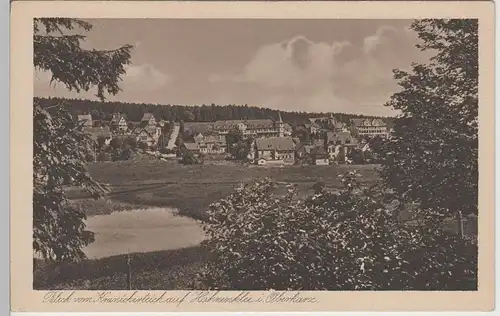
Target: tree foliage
[(242, 148), (348, 240), (59, 147), (116, 143), (131, 142), (142, 145), (432, 153), (238, 146), (76, 68), (233, 137), (189, 158)]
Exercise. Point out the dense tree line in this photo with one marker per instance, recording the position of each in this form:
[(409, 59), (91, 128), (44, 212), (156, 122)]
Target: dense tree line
[(199, 113)]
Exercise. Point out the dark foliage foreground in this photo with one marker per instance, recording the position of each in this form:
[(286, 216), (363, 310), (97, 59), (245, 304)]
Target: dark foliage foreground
[(330, 241), (327, 241)]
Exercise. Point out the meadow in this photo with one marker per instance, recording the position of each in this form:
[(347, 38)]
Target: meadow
[(191, 189)]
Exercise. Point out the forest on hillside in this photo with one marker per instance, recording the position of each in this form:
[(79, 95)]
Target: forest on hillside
[(187, 113)]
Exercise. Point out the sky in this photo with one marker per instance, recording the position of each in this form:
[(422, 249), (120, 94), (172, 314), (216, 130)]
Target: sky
[(292, 65)]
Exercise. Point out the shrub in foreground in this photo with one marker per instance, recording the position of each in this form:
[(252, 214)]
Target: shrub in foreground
[(328, 241)]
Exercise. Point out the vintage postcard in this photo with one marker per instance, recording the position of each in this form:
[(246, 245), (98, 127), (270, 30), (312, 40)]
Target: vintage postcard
[(252, 156)]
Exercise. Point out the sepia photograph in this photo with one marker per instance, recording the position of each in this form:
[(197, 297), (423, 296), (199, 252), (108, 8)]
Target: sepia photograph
[(254, 154)]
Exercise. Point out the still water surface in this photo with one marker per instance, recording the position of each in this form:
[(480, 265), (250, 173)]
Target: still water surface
[(141, 230)]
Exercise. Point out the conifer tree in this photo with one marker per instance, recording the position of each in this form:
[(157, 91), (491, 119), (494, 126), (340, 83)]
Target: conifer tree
[(59, 145)]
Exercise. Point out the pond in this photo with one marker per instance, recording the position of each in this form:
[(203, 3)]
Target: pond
[(141, 230)]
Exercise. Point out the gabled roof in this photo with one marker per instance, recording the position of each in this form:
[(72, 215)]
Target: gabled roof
[(275, 143), (358, 122), (116, 118), (303, 147), (96, 132), (151, 129), (86, 119), (198, 127), (342, 136), (214, 139), (302, 127), (338, 125), (139, 130), (318, 142), (147, 116), (134, 124), (280, 120), (318, 151), (191, 146), (200, 138), (252, 124), (308, 148)]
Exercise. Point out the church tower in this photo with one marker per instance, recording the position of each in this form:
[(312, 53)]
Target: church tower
[(280, 125)]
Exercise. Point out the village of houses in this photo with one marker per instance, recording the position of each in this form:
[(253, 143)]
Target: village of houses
[(272, 143)]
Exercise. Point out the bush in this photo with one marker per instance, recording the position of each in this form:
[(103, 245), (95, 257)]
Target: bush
[(131, 142), (188, 158), (328, 241), (103, 156), (127, 154), (101, 141), (167, 151), (356, 156), (116, 143), (201, 158), (143, 146), (116, 154)]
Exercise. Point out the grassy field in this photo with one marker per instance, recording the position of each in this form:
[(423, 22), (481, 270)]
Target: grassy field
[(172, 270), (192, 188), (156, 183)]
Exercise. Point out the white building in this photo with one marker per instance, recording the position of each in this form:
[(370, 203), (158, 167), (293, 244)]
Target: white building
[(370, 127)]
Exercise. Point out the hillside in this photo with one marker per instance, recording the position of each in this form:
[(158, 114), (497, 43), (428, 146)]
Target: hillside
[(191, 113)]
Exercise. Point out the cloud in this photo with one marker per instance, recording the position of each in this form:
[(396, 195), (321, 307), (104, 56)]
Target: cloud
[(138, 78), (294, 63), (304, 75), (383, 33), (144, 77)]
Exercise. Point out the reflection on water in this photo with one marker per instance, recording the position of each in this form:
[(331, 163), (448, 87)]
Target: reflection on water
[(141, 230)]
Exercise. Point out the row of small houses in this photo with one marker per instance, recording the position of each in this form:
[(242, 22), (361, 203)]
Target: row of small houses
[(210, 136), (273, 142), (147, 131), (285, 150), (274, 145)]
